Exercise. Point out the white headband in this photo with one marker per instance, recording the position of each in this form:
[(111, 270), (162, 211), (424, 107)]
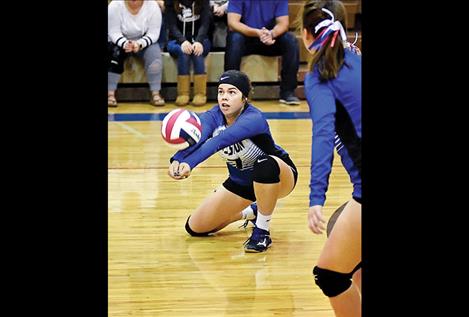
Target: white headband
[(328, 12), (331, 24)]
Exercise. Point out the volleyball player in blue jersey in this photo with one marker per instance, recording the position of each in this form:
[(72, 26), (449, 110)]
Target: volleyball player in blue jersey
[(259, 170), (333, 92)]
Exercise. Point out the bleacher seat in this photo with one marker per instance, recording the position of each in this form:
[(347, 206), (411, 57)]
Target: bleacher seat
[(259, 68)]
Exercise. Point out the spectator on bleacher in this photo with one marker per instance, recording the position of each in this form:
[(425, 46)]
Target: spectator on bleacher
[(188, 23), (133, 29), (219, 26), (261, 27)]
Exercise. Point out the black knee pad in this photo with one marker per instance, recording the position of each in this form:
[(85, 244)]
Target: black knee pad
[(196, 234), (332, 283), (116, 57), (266, 170)]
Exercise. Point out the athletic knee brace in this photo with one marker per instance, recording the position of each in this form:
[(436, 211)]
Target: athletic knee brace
[(116, 57), (330, 282), (196, 234), (266, 170)]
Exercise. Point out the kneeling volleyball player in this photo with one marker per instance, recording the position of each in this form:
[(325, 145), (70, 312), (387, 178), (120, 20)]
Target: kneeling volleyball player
[(260, 171)]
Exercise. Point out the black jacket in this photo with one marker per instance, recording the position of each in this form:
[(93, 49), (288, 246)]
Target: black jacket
[(185, 25)]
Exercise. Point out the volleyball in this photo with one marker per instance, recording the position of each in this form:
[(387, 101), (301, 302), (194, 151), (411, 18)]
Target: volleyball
[(181, 128)]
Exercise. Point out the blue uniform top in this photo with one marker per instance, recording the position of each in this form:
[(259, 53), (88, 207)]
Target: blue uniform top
[(258, 14), (238, 144), (335, 109)]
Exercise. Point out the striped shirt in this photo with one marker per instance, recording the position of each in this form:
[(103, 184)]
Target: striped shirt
[(144, 27)]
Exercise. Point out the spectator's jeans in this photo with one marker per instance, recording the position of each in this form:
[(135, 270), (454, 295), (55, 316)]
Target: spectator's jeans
[(184, 60), (286, 45)]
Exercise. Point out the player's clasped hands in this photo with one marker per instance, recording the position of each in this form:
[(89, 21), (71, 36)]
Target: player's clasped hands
[(316, 220), (179, 170)]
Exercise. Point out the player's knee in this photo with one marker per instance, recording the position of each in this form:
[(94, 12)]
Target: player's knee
[(193, 233), (266, 170), (330, 282)]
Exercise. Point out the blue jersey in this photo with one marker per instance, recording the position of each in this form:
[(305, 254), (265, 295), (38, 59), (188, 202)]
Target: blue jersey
[(258, 14), (335, 109), (239, 144)]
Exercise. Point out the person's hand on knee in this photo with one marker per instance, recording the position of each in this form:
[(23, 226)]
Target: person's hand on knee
[(186, 47), (197, 48)]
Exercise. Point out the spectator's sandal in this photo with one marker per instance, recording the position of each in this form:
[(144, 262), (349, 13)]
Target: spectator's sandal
[(111, 101), (157, 100)]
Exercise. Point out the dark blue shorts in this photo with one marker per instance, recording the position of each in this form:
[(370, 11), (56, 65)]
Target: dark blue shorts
[(247, 191)]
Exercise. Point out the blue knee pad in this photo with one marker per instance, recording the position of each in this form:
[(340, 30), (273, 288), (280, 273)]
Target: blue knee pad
[(266, 170), (330, 282)]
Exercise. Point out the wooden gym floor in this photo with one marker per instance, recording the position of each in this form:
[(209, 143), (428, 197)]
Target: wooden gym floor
[(157, 269)]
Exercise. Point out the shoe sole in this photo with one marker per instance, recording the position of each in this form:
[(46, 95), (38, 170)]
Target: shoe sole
[(256, 251), (295, 103)]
